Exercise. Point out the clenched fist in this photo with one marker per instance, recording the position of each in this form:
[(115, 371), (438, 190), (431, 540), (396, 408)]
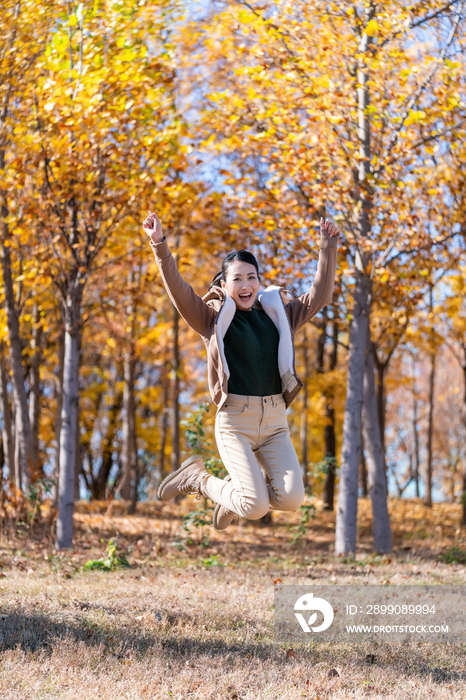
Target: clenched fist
[(153, 227), (328, 227)]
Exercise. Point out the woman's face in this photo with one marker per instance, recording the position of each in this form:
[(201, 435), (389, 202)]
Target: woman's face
[(242, 284)]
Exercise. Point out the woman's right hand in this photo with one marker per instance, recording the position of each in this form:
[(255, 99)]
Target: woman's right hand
[(153, 227)]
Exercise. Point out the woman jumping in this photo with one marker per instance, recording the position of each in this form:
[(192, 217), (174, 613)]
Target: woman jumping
[(249, 336)]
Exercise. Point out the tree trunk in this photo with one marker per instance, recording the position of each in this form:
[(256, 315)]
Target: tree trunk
[(135, 491), (35, 394), (347, 508), (78, 462), (454, 470), (329, 431), (2, 464), (58, 410), (2, 482), (23, 426), (126, 452), (430, 410), (164, 426), (129, 452), (363, 470), (69, 418), (99, 484), (330, 451), (374, 457), (132, 438), (7, 432), (416, 457), (381, 368), (346, 525), (18, 470), (175, 395), (463, 485), (463, 497), (303, 429), (129, 427), (430, 428)]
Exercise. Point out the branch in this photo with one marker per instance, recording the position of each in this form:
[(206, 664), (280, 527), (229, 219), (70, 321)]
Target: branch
[(422, 87), (427, 139), (419, 22), (427, 18), (402, 489), (382, 261), (411, 251), (453, 352), (85, 477)]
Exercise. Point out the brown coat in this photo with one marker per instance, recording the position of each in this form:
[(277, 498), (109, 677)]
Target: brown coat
[(211, 315)]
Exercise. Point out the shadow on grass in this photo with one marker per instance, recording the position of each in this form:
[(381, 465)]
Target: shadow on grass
[(39, 632), (32, 632)]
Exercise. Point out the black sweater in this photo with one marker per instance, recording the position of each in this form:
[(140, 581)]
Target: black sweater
[(251, 350)]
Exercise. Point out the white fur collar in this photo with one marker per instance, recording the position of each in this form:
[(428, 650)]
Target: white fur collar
[(271, 302), (273, 305), (225, 317)]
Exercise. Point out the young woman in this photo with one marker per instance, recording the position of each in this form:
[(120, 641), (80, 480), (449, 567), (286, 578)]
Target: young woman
[(249, 336)]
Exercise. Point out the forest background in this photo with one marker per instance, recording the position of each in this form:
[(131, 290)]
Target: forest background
[(240, 124)]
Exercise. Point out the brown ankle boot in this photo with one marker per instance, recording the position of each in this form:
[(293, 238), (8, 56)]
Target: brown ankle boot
[(189, 478)]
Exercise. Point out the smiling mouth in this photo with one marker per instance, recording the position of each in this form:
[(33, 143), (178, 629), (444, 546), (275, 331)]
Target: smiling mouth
[(245, 297)]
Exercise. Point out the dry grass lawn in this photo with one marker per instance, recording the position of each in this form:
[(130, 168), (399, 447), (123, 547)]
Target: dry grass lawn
[(197, 622)]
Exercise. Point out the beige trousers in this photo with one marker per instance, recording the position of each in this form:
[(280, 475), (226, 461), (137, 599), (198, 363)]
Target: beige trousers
[(252, 432)]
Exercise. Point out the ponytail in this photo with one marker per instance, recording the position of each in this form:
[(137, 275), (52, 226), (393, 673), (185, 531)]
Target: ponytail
[(216, 281), (241, 256)]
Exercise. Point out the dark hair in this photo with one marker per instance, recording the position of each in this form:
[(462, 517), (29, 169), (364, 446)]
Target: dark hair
[(241, 256)]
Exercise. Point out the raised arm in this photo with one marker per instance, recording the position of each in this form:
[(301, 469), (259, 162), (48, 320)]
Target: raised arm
[(301, 310), (191, 307)]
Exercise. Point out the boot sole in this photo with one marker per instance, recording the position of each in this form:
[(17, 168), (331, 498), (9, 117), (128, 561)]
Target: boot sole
[(186, 463)]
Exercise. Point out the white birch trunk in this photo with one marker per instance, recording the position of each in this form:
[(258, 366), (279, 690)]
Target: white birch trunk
[(69, 424), (374, 459), (430, 405), (129, 454), (164, 425), (175, 382), (430, 432), (77, 462), (416, 448), (347, 508), (58, 410), (175, 396), (129, 428), (303, 429)]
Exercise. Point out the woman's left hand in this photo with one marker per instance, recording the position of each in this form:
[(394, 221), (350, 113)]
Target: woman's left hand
[(330, 228)]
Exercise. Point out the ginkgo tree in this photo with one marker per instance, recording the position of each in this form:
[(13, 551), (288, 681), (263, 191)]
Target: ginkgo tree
[(454, 319), (25, 27), (326, 108), (102, 132)]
